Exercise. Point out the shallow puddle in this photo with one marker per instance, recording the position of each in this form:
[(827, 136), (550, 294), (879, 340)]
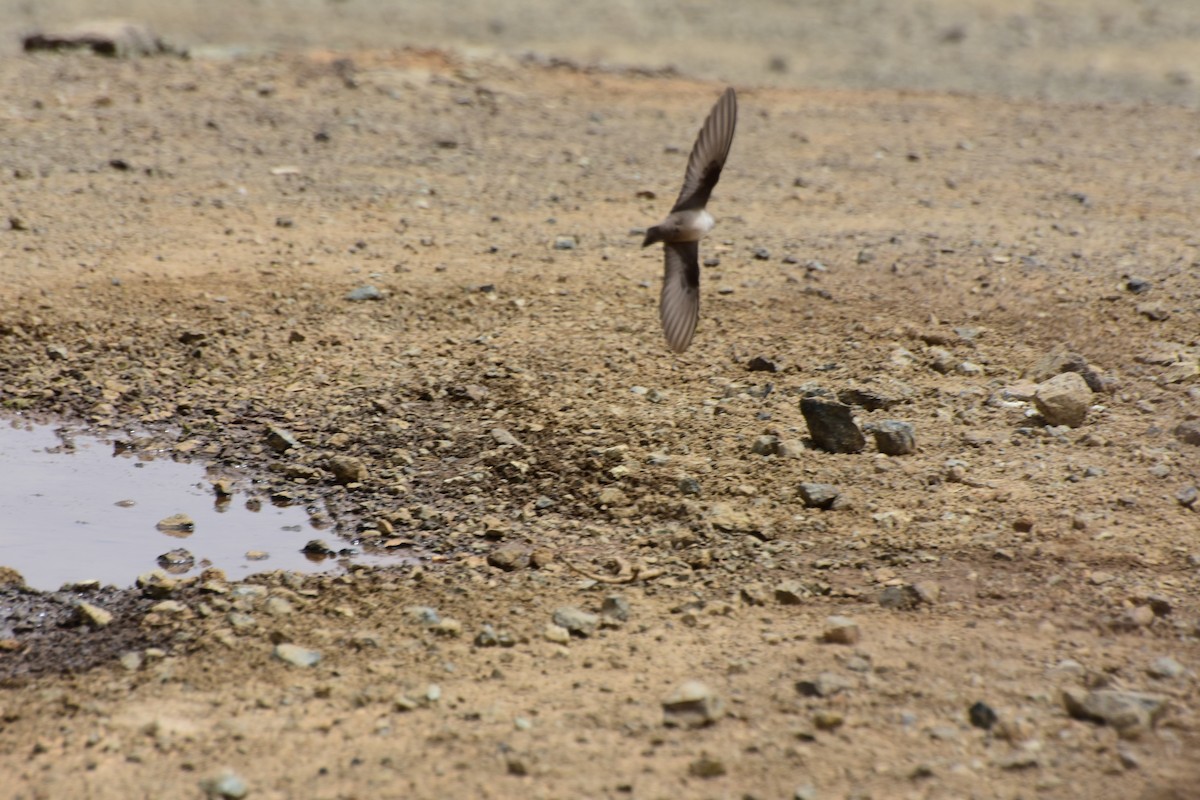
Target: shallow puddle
[(72, 510)]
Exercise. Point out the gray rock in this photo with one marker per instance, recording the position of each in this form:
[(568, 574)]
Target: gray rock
[(942, 360), (692, 704), (361, 294), (840, 630), (818, 495), (832, 425), (1165, 667), (565, 243), (615, 607), (296, 656), (227, 785), (894, 438), (1187, 497), (1130, 713), (575, 620), (688, 485), (1063, 399)]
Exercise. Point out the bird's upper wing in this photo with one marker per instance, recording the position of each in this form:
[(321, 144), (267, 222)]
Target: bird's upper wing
[(708, 154), (679, 306)]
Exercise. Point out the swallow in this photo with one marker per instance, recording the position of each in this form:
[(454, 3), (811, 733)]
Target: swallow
[(689, 222)]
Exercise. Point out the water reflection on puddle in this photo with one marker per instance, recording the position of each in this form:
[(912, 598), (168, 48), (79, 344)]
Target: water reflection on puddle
[(69, 514)]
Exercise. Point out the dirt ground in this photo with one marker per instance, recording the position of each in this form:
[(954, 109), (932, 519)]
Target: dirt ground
[(181, 238)]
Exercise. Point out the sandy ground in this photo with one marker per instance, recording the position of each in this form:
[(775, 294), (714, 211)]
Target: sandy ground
[(181, 239)]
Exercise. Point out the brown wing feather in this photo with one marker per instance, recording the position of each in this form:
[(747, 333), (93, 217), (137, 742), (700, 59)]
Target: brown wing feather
[(679, 306), (709, 154)]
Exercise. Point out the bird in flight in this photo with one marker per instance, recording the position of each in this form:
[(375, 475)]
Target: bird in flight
[(688, 222)]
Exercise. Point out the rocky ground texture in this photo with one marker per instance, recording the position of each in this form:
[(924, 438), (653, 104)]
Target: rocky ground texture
[(406, 290)]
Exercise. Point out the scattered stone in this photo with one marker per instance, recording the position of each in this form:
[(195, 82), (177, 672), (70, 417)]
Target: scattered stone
[(1165, 668), (1188, 497), (177, 561), (177, 525), (1137, 285), (565, 243), (509, 557), (832, 425), (927, 591), (347, 469), (692, 704), (11, 579), (894, 438), (725, 518), (575, 620), (278, 607), (981, 715), (754, 594), (615, 607), (448, 627), (556, 633), (762, 364), (899, 598), (156, 583), (1153, 312), (791, 593), (765, 445), (226, 785), (318, 547), (818, 495), (281, 440), (131, 661), (942, 360), (868, 399), (840, 630), (296, 656), (1063, 399), (827, 684), (1188, 432), (828, 720), (1130, 713), (762, 254), (94, 616), (612, 497), (360, 294), (503, 437)]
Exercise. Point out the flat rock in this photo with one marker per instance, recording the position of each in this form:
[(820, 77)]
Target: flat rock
[(831, 425), (575, 620), (692, 704), (296, 656), (1063, 399), (818, 495), (1130, 713), (95, 616)]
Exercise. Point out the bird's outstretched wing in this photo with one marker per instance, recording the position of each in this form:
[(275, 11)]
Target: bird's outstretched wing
[(708, 154), (679, 306)]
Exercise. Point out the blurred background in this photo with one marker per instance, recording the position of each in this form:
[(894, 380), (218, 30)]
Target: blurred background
[(1068, 50)]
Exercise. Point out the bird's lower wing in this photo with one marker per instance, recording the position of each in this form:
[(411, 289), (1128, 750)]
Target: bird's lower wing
[(679, 307)]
